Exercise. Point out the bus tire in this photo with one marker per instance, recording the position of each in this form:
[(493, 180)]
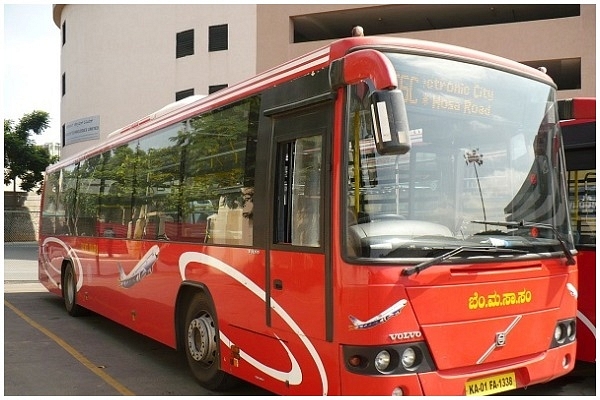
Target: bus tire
[(69, 284), (201, 344)]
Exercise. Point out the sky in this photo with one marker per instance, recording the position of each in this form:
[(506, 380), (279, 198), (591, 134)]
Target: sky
[(31, 65)]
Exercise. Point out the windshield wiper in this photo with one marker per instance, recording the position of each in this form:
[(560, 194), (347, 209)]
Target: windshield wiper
[(526, 224), (426, 264)]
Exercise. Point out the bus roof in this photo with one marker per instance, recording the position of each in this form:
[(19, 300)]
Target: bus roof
[(295, 68)]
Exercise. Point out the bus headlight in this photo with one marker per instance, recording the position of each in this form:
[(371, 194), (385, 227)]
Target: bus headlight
[(391, 359), (560, 333), (564, 332), (382, 360), (408, 358), (571, 330)]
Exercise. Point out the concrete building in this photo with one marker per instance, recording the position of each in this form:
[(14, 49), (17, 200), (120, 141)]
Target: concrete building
[(122, 62)]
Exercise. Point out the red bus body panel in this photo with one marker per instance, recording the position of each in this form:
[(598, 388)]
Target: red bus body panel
[(458, 310)]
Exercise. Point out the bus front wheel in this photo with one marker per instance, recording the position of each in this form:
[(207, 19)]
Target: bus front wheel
[(69, 282), (201, 339)]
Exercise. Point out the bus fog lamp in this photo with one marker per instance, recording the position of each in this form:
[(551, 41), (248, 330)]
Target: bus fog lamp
[(382, 360), (398, 392)]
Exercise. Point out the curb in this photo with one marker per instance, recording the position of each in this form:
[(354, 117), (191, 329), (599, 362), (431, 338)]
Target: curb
[(23, 287)]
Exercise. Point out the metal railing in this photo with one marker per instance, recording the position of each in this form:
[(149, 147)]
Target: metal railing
[(21, 225)]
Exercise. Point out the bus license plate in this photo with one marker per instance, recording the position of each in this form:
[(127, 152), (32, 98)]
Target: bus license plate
[(491, 384)]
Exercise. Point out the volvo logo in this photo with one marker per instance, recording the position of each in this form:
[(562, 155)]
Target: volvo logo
[(405, 335), (500, 339)]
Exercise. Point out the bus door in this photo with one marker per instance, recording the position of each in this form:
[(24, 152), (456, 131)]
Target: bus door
[(299, 270)]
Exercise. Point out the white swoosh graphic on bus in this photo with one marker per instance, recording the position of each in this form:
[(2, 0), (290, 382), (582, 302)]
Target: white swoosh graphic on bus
[(585, 320), (572, 290), (295, 372), (70, 254), (581, 316), (294, 376)]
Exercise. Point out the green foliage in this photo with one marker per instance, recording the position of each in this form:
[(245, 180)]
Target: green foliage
[(22, 157)]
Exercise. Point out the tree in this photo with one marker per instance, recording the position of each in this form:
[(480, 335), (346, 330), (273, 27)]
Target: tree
[(22, 157)]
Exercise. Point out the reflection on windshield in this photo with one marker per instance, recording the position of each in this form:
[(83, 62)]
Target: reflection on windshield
[(484, 146)]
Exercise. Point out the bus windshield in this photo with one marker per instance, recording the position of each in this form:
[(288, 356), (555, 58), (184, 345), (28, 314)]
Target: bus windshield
[(483, 169)]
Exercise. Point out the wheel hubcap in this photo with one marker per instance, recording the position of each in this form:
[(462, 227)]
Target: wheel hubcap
[(201, 339)]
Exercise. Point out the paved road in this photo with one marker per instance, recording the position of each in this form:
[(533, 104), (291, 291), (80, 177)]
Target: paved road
[(48, 353), (20, 262)]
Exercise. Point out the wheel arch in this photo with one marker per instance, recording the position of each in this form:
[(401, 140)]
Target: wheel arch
[(186, 293)]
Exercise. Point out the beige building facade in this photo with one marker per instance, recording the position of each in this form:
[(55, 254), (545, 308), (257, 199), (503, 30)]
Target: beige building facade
[(120, 63)]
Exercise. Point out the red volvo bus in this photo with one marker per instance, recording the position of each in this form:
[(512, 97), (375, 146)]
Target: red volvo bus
[(381, 216), (578, 122)]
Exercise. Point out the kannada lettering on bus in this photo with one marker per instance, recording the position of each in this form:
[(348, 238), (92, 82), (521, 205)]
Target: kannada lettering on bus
[(478, 301)]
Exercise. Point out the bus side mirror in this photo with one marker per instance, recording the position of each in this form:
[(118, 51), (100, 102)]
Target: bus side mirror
[(390, 122)]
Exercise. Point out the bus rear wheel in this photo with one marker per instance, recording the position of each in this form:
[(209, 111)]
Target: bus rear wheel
[(69, 284), (201, 339)]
